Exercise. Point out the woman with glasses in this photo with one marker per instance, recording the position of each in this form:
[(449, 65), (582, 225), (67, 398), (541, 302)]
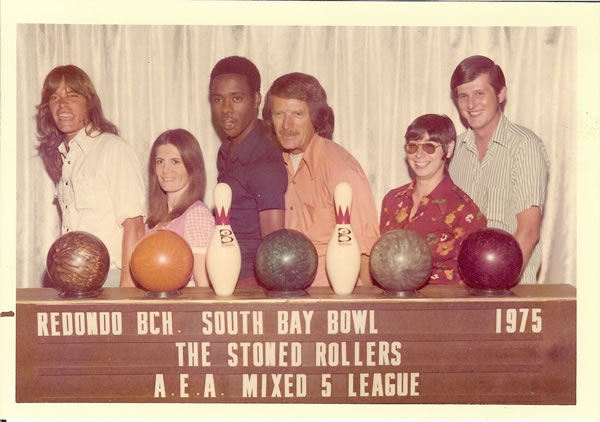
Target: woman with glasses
[(432, 205)]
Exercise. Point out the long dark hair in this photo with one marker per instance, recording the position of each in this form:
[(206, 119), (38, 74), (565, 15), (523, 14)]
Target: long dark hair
[(191, 155), (48, 134)]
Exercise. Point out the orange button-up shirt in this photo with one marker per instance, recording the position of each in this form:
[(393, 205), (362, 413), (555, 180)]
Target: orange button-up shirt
[(310, 208)]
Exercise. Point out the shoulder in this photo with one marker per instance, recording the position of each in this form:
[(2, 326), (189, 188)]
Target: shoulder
[(198, 208), (523, 138), (460, 195), (334, 154), (110, 143), (397, 192)]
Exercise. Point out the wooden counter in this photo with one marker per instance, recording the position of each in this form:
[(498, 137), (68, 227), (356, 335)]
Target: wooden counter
[(444, 346)]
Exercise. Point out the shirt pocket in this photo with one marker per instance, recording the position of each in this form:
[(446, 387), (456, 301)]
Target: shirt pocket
[(497, 204), (85, 193)]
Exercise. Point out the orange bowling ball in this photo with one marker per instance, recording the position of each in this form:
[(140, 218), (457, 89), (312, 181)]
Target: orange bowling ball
[(162, 261)]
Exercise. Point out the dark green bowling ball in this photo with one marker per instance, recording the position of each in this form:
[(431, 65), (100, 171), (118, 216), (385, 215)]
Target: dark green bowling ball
[(401, 262), (286, 262)]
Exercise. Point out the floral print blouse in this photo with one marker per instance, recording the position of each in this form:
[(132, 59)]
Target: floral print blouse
[(444, 218)]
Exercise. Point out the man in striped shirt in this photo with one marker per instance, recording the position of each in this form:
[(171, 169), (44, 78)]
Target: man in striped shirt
[(503, 167)]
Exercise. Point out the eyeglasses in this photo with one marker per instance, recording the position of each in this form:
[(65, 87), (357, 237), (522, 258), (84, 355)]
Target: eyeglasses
[(426, 147)]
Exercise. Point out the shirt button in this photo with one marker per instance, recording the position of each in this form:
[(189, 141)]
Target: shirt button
[(67, 183), (69, 162), (291, 207)]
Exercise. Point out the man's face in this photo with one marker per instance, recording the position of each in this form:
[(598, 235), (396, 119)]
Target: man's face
[(69, 110), (234, 106), (478, 103), (292, 124)]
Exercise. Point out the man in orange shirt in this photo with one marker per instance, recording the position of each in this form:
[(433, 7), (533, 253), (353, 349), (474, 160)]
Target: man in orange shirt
[(296, 113)]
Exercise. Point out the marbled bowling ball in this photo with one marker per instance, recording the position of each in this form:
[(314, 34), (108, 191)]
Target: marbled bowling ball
[(77, 263), (400, 261), (286, 262), (490, 259), (162, 261)]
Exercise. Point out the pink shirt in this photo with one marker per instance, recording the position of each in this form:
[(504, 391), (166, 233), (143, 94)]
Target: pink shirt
[(309, 198), (195, 225)]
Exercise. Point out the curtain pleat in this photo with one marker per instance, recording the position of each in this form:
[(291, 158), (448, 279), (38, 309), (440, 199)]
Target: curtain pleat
[(378, 80)]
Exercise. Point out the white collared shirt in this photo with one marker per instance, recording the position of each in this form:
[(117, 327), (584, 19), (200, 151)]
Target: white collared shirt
[(100, 187)]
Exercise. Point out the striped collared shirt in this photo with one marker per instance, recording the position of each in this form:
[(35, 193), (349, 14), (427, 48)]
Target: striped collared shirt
[(511, 178)]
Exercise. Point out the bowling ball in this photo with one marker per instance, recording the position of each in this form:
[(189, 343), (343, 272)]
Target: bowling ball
[(162, 262), (400, 262), (490, 261), (77, 263), (286, 263)]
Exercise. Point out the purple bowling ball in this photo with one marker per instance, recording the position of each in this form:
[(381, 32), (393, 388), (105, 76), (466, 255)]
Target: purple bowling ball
[(490, 261)]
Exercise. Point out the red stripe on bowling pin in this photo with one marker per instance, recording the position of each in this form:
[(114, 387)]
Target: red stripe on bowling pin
[(342, 259), (223, 255)]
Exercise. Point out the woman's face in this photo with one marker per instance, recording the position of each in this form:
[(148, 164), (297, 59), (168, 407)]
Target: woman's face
[(170, 170), (427, 161)]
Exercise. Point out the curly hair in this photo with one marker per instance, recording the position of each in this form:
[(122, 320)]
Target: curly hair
[(48, 135), (303, 87), (192, 158)]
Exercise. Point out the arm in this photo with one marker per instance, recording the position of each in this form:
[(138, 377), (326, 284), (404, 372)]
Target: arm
[(527, 235), (133, 230), (270, 221), (199, 271)]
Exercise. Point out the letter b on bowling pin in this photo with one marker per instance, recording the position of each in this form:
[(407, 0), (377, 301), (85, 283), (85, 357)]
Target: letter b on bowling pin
[(223, 256), (342, 259)]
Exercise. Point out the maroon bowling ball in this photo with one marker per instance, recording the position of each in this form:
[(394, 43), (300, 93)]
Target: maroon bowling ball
[(78, 263), (286, 263), (401, 262), (490, 261)]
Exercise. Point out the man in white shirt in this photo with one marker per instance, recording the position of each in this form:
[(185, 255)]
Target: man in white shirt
[(99, 184)]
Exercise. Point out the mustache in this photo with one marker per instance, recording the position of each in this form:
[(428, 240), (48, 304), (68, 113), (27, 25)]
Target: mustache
[(288, 132)]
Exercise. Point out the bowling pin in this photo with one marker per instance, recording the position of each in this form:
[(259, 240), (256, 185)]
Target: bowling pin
[(223, 256), (342, 259)]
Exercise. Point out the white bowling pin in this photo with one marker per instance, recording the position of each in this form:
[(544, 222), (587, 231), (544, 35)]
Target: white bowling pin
[(342, 259), (223, 256)]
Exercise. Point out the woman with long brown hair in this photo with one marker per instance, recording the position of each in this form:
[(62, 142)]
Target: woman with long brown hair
[(176, 185)]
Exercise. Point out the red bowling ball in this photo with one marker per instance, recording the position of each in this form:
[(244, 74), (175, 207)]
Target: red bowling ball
[(162, 262), (490, 262), (77, 263)]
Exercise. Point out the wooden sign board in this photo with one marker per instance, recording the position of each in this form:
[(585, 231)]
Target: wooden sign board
[(444, 346)]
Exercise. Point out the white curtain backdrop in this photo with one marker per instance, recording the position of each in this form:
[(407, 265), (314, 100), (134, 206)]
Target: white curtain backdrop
[(378, 79)]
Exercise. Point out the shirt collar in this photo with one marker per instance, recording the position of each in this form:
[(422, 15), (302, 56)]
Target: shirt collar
[(310, 157), (81, 140), (499, 136), (243, 152)]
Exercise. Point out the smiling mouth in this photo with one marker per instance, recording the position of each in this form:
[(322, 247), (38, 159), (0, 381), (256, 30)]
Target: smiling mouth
[(421, 164), (474, 113), (65, 116)]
